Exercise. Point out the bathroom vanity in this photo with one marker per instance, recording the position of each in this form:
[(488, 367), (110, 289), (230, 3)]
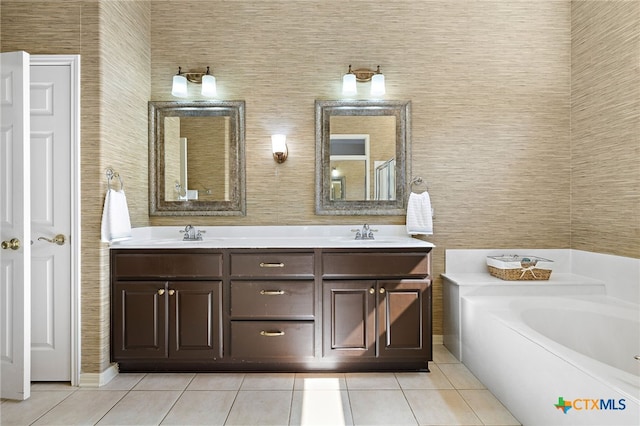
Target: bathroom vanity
[(242, 302)]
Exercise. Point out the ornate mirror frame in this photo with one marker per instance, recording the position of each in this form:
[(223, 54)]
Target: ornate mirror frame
[(158, 111), (324, 110)]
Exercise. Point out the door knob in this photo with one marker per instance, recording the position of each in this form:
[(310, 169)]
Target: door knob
[(58, 239), (13, 244)]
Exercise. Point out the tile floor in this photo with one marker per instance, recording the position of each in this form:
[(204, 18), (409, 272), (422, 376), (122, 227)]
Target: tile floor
[(448, 395)]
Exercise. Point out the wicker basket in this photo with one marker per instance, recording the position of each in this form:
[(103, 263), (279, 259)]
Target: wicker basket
[(520, 268)]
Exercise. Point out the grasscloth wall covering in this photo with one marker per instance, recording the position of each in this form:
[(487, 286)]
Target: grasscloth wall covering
[(491, 90), (605, 127)]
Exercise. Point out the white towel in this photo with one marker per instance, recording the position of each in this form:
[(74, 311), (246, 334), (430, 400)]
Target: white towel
[(419, 214), (116, 224)]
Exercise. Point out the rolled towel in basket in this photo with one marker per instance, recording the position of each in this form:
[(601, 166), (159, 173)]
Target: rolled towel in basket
[(116, 224), (419, 214)]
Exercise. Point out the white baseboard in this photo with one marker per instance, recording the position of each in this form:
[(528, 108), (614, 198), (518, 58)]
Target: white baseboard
[(95, 380), (437, 339)]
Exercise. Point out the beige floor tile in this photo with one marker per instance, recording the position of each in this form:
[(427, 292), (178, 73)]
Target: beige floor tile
[(84, 407), (216, 381), (164, 381), (26, 412), (319, 381), (488, 408), (380, 407), (371, 381), (434, 379), (201, 408), (441, 407), (266, 407), (460, 376), (321, 407), (268, 381), (441, 355), (141, 408), (123, 381)]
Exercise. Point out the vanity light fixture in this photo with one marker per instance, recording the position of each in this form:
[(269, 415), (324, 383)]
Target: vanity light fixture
[(279, 148), (207, 81), (363, 75)]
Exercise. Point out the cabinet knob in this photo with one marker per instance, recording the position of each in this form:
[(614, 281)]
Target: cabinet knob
[(372, 290), (172, 292), (382, 290), (161, 292)]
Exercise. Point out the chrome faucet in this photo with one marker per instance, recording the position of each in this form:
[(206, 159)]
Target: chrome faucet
[(365, 234), (192, 234)]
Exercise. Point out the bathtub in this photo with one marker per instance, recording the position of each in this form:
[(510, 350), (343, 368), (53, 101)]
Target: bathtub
[(537, 352)]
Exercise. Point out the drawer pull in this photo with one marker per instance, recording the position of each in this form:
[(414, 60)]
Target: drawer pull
[(372, 290), (271, 292), (382, 290), (271, 265), (271, 333), (172, 292), (161, 292)]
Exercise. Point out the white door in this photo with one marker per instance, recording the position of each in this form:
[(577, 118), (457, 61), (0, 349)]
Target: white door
[(51, 136), (15, 228)]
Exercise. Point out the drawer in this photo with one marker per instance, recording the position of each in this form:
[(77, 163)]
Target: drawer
[(167, 265), (272, 265), (375, 265), (272, 299), (272, 339)]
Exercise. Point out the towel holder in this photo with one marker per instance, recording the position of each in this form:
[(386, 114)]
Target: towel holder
[(110, 175), (417, 181)]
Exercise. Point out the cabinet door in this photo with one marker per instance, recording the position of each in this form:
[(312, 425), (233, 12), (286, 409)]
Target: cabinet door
[(195, 319), (404, 318), (349, 318), (139, 317)]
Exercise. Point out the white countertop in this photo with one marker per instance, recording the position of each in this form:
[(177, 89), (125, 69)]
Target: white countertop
[(313, 236)]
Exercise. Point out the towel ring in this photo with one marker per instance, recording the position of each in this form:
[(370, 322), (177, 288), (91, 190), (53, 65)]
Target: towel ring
[(417, 181), (110, 175)]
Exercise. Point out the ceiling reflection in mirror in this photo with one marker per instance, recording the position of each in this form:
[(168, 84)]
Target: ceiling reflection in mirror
[(196, 158), (361, 157)]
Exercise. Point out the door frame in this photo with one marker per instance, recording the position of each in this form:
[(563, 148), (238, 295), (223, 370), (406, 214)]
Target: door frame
[(73, 62)]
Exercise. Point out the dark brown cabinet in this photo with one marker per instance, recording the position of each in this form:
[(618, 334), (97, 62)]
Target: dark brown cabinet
[(177, 320), (166, 307), (377, 319), (270, 309)]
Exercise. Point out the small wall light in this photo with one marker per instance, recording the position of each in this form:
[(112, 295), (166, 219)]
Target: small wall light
[(363, 75), (279, 148), (205, 78)]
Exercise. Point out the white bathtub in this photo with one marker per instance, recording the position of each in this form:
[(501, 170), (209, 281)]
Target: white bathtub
[(531, 351)]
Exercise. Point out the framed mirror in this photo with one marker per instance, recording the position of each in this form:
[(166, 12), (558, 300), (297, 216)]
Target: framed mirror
[(196, 158), (362, 157)]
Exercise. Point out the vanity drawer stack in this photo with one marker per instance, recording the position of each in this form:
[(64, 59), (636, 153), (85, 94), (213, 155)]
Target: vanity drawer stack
[(272, 306)]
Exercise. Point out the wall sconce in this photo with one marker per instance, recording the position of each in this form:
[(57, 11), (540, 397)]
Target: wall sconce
[(279, 148), (363, 75), (207, 81)]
